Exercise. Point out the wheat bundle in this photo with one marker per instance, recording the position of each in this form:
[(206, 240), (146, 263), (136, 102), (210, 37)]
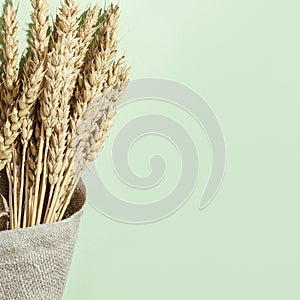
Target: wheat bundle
[(56, 106)]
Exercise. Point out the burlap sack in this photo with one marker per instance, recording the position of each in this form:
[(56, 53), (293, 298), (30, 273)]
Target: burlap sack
[(34, 262)]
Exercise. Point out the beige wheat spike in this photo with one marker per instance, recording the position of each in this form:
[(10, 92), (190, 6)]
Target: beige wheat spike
[(31, 171), (98, 62), (95, 140), (19, 114), (95, 144), (7, 140), (106, 42), (39, 41), (9, 93), (33, 151), (86, 33), (61, 56), (23, 107), (10, 83), (10, 57), (28, 186)]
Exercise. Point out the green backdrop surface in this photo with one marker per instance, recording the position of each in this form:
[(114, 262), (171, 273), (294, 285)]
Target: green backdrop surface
[(243, 57)]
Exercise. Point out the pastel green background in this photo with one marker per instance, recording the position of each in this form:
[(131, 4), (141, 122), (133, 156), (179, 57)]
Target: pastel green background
[(243, 57)]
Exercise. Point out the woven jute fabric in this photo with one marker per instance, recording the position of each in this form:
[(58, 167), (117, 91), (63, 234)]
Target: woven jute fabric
[(35, 261)]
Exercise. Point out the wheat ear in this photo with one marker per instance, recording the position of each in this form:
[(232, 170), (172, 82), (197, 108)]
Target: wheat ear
[(9, 92), (96, 141), (67, 29), (118, 80), (10, 56), (10, 84)]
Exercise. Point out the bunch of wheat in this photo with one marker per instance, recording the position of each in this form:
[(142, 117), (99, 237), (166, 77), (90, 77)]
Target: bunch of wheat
[(56, 106)]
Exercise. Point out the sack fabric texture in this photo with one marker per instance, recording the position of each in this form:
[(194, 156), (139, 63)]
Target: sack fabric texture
[(35, 261)]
